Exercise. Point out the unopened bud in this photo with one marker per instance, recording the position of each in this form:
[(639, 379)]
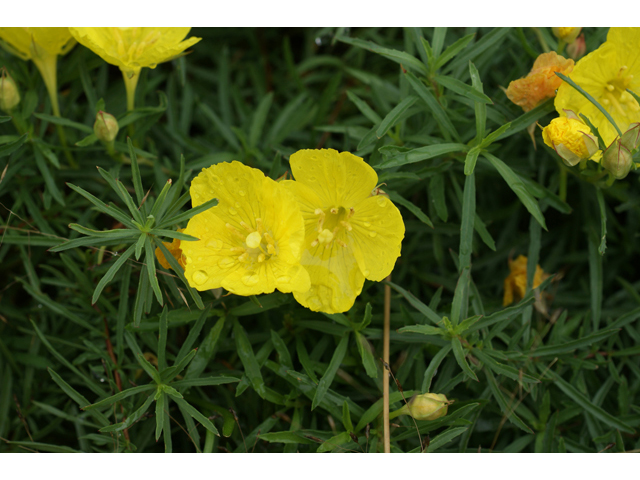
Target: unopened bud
[(9, 94), (106, 127), (631, 138), (577, 48), (617, 159), (566, 34), (428, 406)]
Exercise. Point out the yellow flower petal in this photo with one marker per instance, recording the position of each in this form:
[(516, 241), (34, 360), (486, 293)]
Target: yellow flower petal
[(336, 177), (174, 249), (349, 234), (33, 42), (135, 47), (515, 285), (251, 242), (377, 232)]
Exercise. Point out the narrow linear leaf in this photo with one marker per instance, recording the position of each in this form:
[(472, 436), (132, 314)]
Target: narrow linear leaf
[(104, 281), (329, 374), (459, 353)]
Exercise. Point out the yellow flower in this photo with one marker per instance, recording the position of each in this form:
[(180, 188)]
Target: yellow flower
[(351, 233), (516, 282), (133, 48), (42, 45), (571, 139), (250, 242), (541, 82), (606, 74), (428, 406), (174, 249), (566, 34)]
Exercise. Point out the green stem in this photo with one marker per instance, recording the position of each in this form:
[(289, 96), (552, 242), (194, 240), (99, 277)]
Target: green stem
[(543, 43), (561, 45), (47, 65), (563, 184)]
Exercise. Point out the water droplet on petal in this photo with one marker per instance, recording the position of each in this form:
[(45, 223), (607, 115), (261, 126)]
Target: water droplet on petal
[(366, 273), (232, 211), (372, 234), (241, 193), (237, 205), (199, 277), (367, 224), (215, 178), (283, 279), (214, 243), (226, 262), (250, 280), (382, 201), (315, 303)]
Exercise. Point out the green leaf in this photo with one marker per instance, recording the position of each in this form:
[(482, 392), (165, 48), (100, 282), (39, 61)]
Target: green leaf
[(515, 183), (502, 369), (329, 374), (452, 50), (595, 283), (184, 216), (150, 260), (118, 234), (103, 207), (64, 122), (170, 373), (9, 148), (459, 353), (364, 348), (433, 367), (346, 417), (470, 160), (445, 437), (488, 42), (248, 359), (461, 297), (286, 437), (396, 157), (525, 120), (436, 190), (507, 407), (436, 109), (394, 115), (220, 126), (376, 409), (104, 281), (404, 59), (120, 396), (180, 272), (588, 341), (131, 419), (49, 181), (160, 414), (463, 89), (417, 304), (489, 139), (335, 442), (259, 119), (423, 329), (397, 198), (206, 423), (466, 224), (603, 221), (77, 397), (364, 108), (574, 394)]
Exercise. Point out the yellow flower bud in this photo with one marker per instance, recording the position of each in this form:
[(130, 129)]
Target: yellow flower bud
[(571, 139), (9, 94), (617, 159), (428, 406), (566, 34), (106, 127)]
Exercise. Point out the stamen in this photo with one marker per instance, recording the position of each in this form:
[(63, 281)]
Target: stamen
[(261, 257), (260, 226), (246, 227), (334, 210), (244, 257), (234, 230), (346, 225)]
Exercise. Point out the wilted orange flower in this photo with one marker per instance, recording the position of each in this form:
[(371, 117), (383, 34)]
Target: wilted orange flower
[(541, 83), (174, 249), (516, 282)]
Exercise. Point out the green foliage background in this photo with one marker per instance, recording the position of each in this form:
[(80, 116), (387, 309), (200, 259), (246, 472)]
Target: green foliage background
[(269, 375)]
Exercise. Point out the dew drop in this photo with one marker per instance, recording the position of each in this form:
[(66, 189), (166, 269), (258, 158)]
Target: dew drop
[(366, 273), (232, 211), (241, 193), (367, 224), (250, 280), (372, 234), (225, 262), (199, 277), (215, 178), (315, 303), (237, 205), (214, 243), (283, 279), (382, 201)]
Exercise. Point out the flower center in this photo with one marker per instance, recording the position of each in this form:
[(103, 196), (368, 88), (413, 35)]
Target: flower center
[(256, 247), (615, 94), (332, 223)]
